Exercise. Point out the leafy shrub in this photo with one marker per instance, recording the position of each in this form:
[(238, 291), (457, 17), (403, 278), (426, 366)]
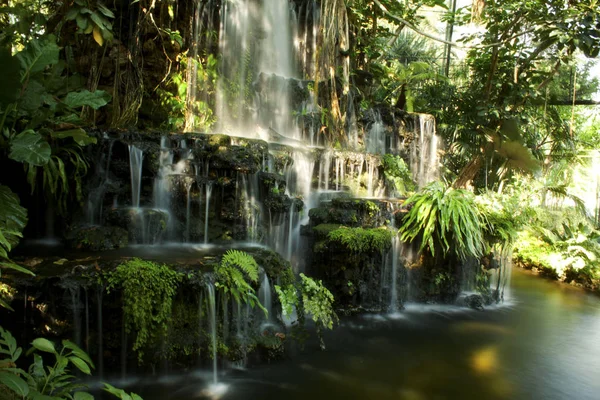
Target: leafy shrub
[(397, 172), (361, 240), (41, 382), (444, 218), (148, 290), (232, 274)]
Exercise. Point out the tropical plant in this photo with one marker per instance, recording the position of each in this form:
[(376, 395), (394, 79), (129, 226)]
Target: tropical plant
[(444, 219), (309, 298), (232, 275), (148, 289), (41, 382), (396, 171), (40, 119), (13, 219)]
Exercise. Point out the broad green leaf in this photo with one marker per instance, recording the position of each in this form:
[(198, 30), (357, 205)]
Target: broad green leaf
[(31, 148), (83, 396), (16, 267), (9, 78), (38, 54), (104, 10), (13, 219), (44, 345), (14, 383), (77, 351), (80, 364), (95, 100)]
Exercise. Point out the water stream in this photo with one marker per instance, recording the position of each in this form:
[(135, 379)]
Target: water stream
[(541, 346)]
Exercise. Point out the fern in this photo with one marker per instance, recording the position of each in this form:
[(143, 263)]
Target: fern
[(231, 274), (242, 260), (444, 218)]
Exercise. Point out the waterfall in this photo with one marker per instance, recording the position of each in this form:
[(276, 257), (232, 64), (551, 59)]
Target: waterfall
[(212, 315), (264, 296), (394, 280), (76, 308), (136, 157), (424, 160), (100, 359), (208, 189), (376, 135)]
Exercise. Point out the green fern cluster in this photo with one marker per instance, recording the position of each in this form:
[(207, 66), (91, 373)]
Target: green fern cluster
[(444, 218), (361, 240), (148, 291), (233, 273)]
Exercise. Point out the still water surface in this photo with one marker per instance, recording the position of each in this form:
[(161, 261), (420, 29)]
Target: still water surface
[(544, 344)]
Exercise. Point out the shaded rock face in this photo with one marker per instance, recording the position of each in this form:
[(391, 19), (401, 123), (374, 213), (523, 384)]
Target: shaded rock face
[(68, 299)]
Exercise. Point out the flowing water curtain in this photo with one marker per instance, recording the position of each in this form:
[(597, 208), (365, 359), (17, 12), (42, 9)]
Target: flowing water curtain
[(332, 58)]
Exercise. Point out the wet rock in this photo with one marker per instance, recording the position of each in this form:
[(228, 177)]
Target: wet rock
[(474, 301), (144, 225), (96, 238)]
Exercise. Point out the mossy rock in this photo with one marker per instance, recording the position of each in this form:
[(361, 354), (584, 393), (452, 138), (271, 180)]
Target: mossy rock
[(144, 225), (97, 238)]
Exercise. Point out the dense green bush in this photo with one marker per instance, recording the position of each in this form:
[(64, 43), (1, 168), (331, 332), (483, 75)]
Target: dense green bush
[(148, 289), (444, 219)]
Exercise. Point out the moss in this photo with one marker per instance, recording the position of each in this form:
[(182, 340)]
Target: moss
[(321, 231), (361, 240), (97, 238)]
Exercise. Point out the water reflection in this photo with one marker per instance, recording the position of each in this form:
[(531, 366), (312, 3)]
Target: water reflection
[(544, 346)]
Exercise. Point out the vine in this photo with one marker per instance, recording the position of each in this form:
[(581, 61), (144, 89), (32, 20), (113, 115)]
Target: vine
[(148, 290)]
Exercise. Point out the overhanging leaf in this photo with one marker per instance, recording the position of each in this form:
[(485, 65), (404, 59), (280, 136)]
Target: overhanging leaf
[(38, 54), (14, 383), (95, 100), (31, 148), (44, 345), (13, 219), (9, 78), (83, 396), (79, 136), (81, 365)]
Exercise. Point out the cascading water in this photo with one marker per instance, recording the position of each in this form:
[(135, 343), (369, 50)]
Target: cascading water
[(264, 296), (136, 157), (212, 315), (424, 159), (208, 190), (376, 135)]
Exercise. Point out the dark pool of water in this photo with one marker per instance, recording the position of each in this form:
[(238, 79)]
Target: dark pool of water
[(545, 344)]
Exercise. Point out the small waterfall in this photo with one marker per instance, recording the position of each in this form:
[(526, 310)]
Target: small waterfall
[(188, 210), (251, 207), (376, 135), (136, 157), (76, 308), (394, 283), (424, 160), (208, 189), (264, 296), (100, 359), (212, 315)]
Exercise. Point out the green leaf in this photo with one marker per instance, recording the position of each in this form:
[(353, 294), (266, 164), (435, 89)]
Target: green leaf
[(16, 267), (38, 54), (104, 10), (9, 78), (80, 364), (14, 383), (13, 219), (31, 148), (77, 351), (95, 100), (83, 396), (44, 345)]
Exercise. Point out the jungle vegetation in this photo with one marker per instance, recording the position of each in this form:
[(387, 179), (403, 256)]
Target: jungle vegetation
[(513, 102)]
